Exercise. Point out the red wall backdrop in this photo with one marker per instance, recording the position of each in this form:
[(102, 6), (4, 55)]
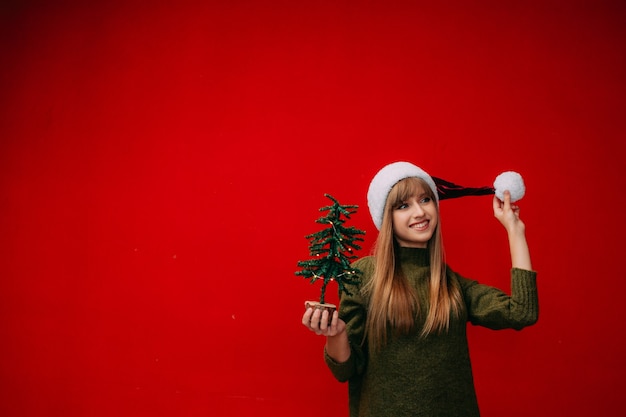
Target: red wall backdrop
[(161, 162)]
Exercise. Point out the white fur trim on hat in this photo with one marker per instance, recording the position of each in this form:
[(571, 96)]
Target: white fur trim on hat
[(383, 182)]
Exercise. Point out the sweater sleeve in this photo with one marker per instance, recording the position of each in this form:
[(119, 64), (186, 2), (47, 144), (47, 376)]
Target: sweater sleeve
[(352, 311), (492, 308)]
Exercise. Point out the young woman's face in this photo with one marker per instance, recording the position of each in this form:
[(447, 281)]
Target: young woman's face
[(415, 220)]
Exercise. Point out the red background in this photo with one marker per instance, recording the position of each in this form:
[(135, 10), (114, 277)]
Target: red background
[(161, 162)]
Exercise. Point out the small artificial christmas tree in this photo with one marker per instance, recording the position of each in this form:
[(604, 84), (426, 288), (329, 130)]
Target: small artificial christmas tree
[(332, 248)]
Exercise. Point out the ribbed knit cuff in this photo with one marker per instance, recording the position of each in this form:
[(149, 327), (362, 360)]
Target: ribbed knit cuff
[(524, 293), (341, 370)]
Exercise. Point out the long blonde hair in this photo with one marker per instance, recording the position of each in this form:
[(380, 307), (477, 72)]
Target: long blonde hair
[(392, 301)]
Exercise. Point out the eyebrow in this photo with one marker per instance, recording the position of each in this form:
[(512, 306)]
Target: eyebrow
[(418, 196)]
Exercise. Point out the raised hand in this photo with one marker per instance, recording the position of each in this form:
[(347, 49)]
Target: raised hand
[(508, 214)]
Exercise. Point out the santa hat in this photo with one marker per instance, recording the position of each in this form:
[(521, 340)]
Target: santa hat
[(390, 175)]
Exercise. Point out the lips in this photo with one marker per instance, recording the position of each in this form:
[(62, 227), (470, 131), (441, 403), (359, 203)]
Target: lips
[(423, 225)]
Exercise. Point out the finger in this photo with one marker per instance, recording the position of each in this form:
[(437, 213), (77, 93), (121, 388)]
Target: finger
[(324, 321), (507, 199), (497, 204), (334, 322), (321, 322), (315, 320), (306, 318)]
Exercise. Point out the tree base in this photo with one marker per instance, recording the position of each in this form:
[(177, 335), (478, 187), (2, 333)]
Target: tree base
[(319, 306)]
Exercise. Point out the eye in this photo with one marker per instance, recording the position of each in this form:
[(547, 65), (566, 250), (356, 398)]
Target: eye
[(425, 200), (401, 206)]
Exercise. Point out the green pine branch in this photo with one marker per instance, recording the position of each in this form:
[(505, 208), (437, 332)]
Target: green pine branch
[(333, 249)]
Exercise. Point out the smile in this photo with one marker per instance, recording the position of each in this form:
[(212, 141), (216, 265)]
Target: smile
[(420, 226)]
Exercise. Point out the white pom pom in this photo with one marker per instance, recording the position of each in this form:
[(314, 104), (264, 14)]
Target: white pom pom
[(511, 181)]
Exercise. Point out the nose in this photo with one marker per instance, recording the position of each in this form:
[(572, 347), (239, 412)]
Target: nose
[(418, 211)]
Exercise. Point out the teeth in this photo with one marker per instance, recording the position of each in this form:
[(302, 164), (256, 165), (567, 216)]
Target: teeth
[(419, 225)]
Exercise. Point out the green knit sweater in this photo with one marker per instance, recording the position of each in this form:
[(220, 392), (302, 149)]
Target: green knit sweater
[(432, 376)]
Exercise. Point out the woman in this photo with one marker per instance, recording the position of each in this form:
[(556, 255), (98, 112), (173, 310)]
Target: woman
[(400, 339)]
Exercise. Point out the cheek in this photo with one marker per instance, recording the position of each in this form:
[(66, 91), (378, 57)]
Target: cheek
[(434, 217), (396, 219)]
